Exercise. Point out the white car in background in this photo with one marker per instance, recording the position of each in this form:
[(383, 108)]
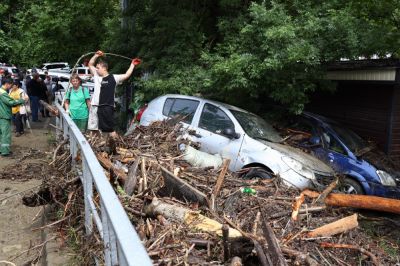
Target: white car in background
[(83, 73), (246, 139)]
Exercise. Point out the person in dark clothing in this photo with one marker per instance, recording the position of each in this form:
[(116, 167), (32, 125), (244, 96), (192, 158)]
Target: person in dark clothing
[(35, 92), (43, 97)]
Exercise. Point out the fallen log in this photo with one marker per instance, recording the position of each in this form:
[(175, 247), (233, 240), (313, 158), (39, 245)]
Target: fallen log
[(50, 108), (188, 217), (358, 201), (178, 188), (336, 227)]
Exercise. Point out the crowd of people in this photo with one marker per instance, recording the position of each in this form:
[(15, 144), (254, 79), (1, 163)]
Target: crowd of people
[(20, 100)]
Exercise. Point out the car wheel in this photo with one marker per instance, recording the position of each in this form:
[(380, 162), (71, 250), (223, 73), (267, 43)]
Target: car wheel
[(350, 186), (258, 173)]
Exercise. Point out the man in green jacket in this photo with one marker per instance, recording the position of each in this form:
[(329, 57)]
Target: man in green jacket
[(6, 102)]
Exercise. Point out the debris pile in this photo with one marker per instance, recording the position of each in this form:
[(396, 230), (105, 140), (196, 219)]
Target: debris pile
[(205, 216)]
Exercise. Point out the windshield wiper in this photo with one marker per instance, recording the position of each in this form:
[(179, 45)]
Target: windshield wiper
[(270, 140)]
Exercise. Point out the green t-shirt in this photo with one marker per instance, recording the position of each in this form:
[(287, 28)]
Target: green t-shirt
[(77, 102)]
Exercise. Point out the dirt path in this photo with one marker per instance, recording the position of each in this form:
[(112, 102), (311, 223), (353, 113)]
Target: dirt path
[(17, 222)]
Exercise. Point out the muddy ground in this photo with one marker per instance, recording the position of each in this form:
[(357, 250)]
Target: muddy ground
[(20, 174)]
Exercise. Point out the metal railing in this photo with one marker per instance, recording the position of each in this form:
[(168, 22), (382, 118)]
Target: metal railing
[(122, 246)]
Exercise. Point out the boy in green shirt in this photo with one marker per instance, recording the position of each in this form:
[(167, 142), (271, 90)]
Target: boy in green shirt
[(77, 103)]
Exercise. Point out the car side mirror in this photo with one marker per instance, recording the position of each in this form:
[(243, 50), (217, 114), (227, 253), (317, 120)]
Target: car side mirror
[(315, 141), (230, 133)]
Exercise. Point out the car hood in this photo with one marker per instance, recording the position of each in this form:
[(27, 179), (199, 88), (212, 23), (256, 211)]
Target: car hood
[(310, 161), (382, 162)]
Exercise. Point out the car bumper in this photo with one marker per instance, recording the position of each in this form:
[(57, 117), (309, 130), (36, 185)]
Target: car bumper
[(384, 191), (293, 179)]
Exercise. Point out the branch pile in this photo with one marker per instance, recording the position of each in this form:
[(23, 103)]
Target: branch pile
[(200, 216)]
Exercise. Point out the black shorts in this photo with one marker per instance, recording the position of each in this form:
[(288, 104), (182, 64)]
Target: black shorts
[(106, 118)]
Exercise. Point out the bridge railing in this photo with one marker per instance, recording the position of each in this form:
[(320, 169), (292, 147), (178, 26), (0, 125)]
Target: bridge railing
[(122, 246)]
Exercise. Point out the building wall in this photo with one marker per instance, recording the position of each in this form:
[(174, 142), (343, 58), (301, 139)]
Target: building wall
[(394, 149), (364, 107)]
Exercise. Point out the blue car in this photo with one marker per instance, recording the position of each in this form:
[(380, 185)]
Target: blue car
[(366, 170)]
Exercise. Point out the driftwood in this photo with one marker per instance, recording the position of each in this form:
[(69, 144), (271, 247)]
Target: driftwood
[(358, 201), (188, 217), (131, 180), (50, 108), (236, 261), (221, 178), (274, 249), (108, 165), (360, 249), (176, 187), (336, 227), (302, 257)]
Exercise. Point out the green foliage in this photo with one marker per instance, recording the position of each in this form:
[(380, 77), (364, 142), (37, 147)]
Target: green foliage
[(45, 31), (236, 51)]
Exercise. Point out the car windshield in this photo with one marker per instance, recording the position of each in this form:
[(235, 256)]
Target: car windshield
[(354, 142), (256, 127), (15, 70)]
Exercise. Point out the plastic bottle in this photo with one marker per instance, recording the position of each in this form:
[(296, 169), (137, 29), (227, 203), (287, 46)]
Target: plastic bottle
[(248, 190)]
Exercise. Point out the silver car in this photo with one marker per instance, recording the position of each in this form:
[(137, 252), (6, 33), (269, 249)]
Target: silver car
[(246, 139)]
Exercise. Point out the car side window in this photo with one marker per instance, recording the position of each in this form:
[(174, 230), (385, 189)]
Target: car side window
[(184, 108), (332, 144), (167, 106), (214, 119)]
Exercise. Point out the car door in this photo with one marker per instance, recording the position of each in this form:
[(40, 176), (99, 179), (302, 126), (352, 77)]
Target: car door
[(212, 122), (332, 152)]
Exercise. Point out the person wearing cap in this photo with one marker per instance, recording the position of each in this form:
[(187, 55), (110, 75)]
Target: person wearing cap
[(18, 111), (6, 102)]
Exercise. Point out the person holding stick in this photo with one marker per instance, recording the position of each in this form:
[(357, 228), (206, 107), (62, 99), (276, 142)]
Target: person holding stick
[(101, 115)]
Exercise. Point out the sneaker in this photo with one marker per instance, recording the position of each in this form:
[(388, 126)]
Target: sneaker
[(18, 134)]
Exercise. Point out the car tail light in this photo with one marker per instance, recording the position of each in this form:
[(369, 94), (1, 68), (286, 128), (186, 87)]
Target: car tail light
[(140, 112)]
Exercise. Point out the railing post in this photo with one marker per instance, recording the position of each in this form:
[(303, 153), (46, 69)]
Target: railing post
[(88, 195)]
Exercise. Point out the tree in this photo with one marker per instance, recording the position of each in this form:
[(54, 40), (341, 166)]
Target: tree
[(246, 51)]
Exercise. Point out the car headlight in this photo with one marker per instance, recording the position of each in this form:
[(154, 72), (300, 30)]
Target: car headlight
[(298, 167), (386, 178)]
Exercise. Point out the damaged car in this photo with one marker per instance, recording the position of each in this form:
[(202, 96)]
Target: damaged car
[(244, 138), (365, 168)]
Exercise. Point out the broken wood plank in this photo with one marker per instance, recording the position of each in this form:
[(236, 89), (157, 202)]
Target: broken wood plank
[(108, 165), (335, 227), (178, 188), (274, 249), (221, 177), (131, 180)]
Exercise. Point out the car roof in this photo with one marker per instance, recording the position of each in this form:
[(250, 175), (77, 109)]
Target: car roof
[(55, 63), (227, 106), (320, 118)]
